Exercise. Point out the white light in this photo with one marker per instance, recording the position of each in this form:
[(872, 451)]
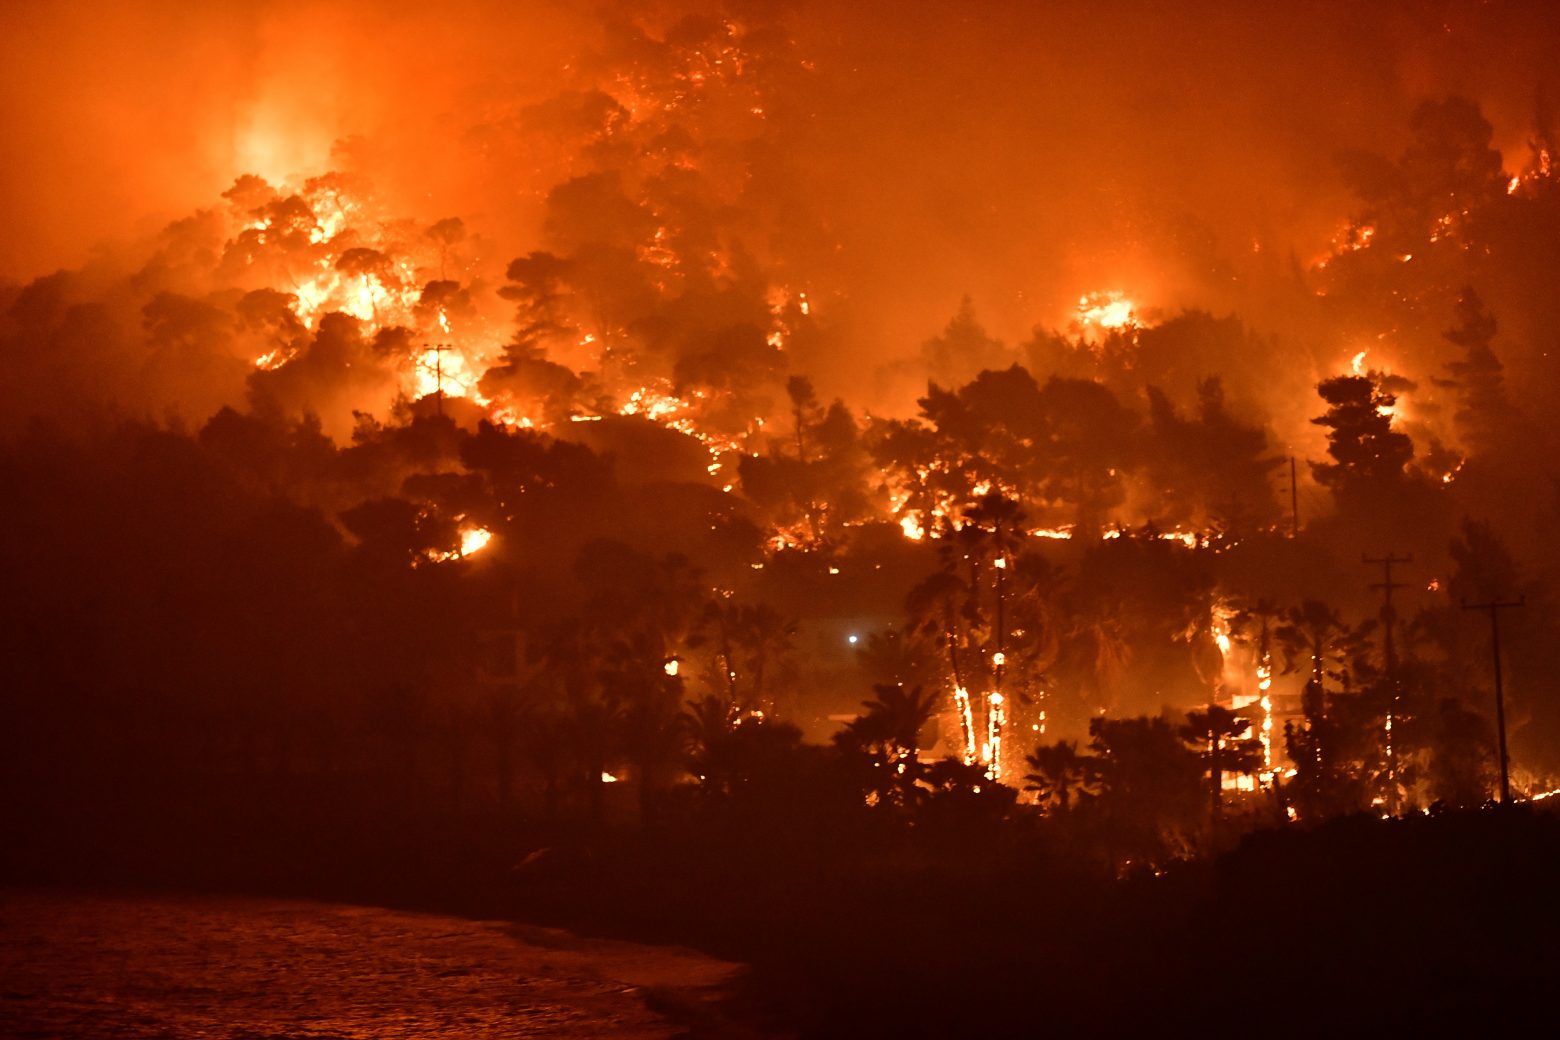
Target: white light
[(671, 667), (853, 639)]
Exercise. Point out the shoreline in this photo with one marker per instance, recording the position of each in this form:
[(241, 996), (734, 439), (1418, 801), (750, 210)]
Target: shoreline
[(105, 962)]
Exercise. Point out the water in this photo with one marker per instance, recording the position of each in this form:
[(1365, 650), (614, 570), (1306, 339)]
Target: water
[(93, 967)]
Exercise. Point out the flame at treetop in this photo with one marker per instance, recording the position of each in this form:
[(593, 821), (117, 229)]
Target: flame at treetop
[(1111, 311), (325, 245), (472, 541)]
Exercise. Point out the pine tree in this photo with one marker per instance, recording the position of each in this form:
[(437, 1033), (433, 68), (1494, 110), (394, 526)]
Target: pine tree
[(1478, 377), (1365, 448)]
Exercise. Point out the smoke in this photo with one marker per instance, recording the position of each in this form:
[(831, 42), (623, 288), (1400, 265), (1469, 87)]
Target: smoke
[(993, 138), (119, 118)]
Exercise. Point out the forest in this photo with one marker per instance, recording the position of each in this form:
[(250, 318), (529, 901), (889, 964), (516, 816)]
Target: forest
[(356, 552)]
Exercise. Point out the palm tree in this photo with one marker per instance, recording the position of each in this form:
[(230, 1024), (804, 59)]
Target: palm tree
[(542, 742), (634, 674), (1057, 773), (1100, 646), (749, 643), (885, 742), (1150, 787), (736, 755), (893, 657), (901, 714), (995, 525), (705, 723), (764, 638), (939, 618), (1217, 735), (1315, 632)]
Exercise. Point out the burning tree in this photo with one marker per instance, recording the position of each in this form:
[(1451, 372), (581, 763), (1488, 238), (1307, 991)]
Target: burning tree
[(988, 610), (1222, 740)]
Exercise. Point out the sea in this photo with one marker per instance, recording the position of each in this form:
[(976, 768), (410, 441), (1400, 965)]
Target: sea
[(99, 966)]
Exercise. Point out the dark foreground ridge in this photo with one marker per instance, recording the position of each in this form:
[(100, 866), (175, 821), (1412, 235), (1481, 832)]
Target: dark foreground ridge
[(1359, 926)]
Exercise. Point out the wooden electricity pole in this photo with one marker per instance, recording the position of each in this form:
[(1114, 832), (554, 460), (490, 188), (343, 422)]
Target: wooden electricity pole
[(1389, 653), (1495, 607), (1388, 615), (438, 350)]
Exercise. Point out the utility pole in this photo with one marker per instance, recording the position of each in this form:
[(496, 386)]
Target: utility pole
[(438, 350), (1495, 607), (1388, 615), (1389, 653)]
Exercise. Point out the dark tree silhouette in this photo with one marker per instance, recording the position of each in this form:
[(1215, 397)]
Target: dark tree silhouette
[(1478, 377), (1366, 450), (1150, 789), (1462, 767), (1058, 775), (886, 742), (1219, 737)]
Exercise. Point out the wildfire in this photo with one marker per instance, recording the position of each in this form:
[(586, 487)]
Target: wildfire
[(652, 404), (439, 369), (1542, 169), (961, 700), (327, 249), (507, 416), (1265, 734), (1109, 310), (1220, 626), (472, 541), (1350, 238), (996, 719), (791, 536), (659, 405)]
